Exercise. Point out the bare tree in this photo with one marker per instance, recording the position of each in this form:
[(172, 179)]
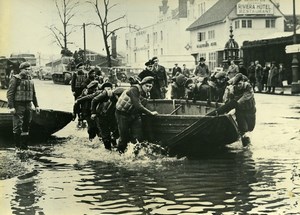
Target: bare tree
[(66, 11), (105, 23)]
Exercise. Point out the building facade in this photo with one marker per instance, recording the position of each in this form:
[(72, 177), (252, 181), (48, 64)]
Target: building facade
[(167, 39), (250, 20)]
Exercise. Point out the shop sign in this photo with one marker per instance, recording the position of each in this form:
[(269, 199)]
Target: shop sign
[(292, 49), (206, 44), (246, 7)]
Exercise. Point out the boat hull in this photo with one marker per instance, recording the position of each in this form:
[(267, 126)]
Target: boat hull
[(44, 124), (189, 130)]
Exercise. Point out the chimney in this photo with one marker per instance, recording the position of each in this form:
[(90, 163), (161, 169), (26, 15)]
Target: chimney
[(114, 45), (182, 8), (164, 7)]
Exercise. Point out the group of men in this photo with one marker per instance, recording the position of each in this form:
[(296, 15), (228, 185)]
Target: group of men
[(115, 113), (231, 87)]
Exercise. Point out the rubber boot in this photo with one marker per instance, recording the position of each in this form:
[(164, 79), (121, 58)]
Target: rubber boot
[(17, 138), (107, 144), (24, 142), (122, 147), (114, 143), (245, 141)]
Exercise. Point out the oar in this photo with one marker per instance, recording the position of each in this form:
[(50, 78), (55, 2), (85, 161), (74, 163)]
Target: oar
[(176, 109)]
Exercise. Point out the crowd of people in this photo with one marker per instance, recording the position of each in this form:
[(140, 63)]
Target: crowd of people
[(113, 113)]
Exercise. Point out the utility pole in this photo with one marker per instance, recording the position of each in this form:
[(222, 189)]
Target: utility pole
[(295, 88), (84, 43)]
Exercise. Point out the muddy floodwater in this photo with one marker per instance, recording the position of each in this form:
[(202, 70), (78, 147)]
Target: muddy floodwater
[(70, 175)]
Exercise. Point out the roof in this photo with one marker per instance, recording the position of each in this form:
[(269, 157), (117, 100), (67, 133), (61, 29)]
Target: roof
[(216, 14), (280, 34)]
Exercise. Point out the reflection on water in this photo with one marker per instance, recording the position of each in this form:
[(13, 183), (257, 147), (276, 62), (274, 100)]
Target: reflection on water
[(95, 181), (71, 175)]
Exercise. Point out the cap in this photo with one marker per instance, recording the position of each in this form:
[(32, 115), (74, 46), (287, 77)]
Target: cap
[(237, 78), (79, 65), (134, 80), (188, 81), (92, 70), (147, 79), (149, 63), (154, 59), (106, 84), (24, 65)]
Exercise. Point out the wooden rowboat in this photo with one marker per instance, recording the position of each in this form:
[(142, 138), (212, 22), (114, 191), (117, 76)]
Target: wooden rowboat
[(42, 126), (187, 128)]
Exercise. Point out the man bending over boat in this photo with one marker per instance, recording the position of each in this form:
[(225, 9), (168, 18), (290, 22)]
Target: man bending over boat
[(241, 94), (103, 108), (129, 108), (20, 95)]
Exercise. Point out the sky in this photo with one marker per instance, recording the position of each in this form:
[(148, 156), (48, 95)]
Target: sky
[(23, 24)]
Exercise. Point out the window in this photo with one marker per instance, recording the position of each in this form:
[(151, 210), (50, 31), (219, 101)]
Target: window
[(211, 34), (237, 24), (135, 57), (134, 41), (155, 37), (148, 38), (246, 23), (161, 35), (161, 51), (270, 23), (212, 60), (200, 36), (92, 57), (249, 23), (148, 53)]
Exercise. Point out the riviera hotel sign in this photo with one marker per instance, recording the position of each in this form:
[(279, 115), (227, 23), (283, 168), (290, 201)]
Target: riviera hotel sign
[(255, 7)]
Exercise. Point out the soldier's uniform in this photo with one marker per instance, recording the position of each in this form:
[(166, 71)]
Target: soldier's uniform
[(20, 96)]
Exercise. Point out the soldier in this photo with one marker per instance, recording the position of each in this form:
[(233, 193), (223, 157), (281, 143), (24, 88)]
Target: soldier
[(78, 79), (103, 112), (129, 108), (20, 95)]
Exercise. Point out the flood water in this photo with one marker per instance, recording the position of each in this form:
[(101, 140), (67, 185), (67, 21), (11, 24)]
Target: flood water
[(68, 174)]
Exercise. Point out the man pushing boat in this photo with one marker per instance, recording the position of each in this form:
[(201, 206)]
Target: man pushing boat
[(240, 92)]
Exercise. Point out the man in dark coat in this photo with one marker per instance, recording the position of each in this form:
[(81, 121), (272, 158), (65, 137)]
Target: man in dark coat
[(251, 75), (242, 69), (155, 92), (273, 78), (202, 69), (162, 77), (241, 94), (176, 70)]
